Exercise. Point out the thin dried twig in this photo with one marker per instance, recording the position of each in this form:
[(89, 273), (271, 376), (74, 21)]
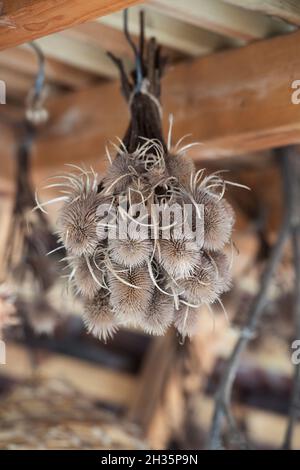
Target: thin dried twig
[(223, 398)]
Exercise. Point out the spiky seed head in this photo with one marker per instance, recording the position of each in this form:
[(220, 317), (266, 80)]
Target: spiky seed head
[(132, 247), (218, 219), (130, 296), (130, 252), (186, 320), (222, 264), (179, 257), (99, 317), (88, 273), (180, 167), (118, 175), (202, 285), (159, 315), (77, 224)]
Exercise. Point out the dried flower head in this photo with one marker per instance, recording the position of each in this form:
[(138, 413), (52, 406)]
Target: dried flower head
[(130, 252), (159, 315), (181, 167), (89, 273), (218, 219), (131, 292), (202, 286), (77, 224), (222, 264), (179, 257), (119, 174), (99, 317)]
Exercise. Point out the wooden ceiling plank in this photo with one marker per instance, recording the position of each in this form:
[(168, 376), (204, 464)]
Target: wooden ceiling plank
[(79, 54), (288, 10), (17, 84), (223, 18), (171, 32), (23, 60), (234, 102), (24, 20), (113, 40)]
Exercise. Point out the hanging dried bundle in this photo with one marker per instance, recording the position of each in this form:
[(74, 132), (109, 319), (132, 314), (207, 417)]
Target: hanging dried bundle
[(7, 309), (29, 238), (29, 270), (161, 269)]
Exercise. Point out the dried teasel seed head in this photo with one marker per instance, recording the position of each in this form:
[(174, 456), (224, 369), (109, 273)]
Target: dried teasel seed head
[(131, 292), (119, 174), (218, 219), (186, 320), (202, 285), (130, 252), (180, 167), (222, 264), (88, 273), (179, 257), (159, 315), (77, 224), (99, 317)]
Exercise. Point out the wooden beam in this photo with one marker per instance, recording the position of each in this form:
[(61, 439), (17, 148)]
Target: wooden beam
[(171, 32), (23, 60), (112, 39), (221, 18), (101, 35), (234, 102), (237, 101), (159, 363), (109, 386), (24, 20), (288, 10), (17, 84), (78, 53)]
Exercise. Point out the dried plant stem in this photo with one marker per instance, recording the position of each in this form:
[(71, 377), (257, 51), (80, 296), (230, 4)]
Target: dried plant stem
[(222, 410)]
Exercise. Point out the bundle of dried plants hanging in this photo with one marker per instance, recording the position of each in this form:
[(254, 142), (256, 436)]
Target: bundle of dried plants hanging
[(165, 277), (29, 271), (7, 309)]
